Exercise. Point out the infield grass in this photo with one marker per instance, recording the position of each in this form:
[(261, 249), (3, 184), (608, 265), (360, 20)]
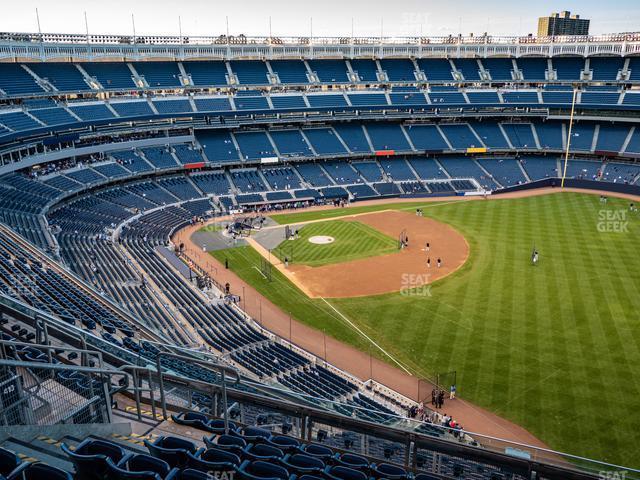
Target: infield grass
[(352, 240), (554, 348)]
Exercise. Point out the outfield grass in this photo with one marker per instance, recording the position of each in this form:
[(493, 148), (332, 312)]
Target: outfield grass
[(308, 215), (554, 348), (353, 240)]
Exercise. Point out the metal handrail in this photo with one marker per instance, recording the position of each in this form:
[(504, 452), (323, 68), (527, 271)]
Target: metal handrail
[(221, 369), (59, 366), (49, 349), (308, 41)]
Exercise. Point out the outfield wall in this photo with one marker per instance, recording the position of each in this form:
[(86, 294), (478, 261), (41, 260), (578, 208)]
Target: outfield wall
[(574, 183)]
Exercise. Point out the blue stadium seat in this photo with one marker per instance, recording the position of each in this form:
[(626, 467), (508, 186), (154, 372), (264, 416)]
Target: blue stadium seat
[(490, 134), (261, 451), (260, 470), (214, 103), (218, 146), (204, 73), (250, 72), (65, 77), (388, 471), (91, 111), (500, 69), (9, 462), (90, 457), (302, 464), (550, 135), (288, 101), (611, 138), (290, 143), (231, 443), (353, 135), (426, 137), (366, 70), (436, 69), (606, 68), (189, 474), (290, 71), (134, 108), (283, 442), (408, 98), (483, 96), (138, 467), (213, 459), (250, 102), (172, 106), (254, 145), (568, 68), (460, 136), (324, 141), (326, 100), (15, 80), (329, 71), (172, 450), (111, 75), (469, 68), (340, 472), (159, 74), (533, 68), (41, 471), (520, 135), (520, 96), (398, 69), (367, 99), (193, 419), (352, 461)]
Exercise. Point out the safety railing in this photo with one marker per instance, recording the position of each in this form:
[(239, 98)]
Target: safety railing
[(39, 393), (241, 39), (355, 428)]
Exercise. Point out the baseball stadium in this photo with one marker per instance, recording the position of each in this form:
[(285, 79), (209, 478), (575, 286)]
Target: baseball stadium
[(319, 257)]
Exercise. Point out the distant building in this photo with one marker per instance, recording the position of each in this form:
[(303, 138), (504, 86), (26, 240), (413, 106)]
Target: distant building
[(562, 23)]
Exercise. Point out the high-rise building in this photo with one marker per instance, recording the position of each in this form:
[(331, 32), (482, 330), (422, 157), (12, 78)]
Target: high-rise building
[(562, 23)]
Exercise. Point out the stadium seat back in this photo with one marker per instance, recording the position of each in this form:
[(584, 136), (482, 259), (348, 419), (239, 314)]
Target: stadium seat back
[(41, 471), (9, 461), (172, 450)]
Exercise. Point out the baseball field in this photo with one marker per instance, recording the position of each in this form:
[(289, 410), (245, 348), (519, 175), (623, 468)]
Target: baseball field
[(350, 241), (553, 347)]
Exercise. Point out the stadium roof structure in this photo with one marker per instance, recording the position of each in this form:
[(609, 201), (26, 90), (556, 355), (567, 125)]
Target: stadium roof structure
[(58, 46)]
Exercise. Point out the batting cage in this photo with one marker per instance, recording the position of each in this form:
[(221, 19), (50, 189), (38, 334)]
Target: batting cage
[(265, 269)]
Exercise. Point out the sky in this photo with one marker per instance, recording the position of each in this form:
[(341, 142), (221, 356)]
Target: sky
[(330, 17)]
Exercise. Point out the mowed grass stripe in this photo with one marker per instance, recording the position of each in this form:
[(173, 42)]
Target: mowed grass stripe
[(353, 241), (554, 348)]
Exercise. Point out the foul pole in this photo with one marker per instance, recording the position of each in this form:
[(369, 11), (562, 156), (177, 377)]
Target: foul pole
[(566, 155)]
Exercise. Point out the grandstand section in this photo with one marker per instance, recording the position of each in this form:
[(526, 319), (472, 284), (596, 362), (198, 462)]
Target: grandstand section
[(262, 255)]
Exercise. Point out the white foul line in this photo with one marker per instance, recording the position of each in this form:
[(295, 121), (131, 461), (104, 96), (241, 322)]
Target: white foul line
[(260, 272), (355, 327)]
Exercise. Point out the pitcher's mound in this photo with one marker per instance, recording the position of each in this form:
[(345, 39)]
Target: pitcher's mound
[(321, 239)]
